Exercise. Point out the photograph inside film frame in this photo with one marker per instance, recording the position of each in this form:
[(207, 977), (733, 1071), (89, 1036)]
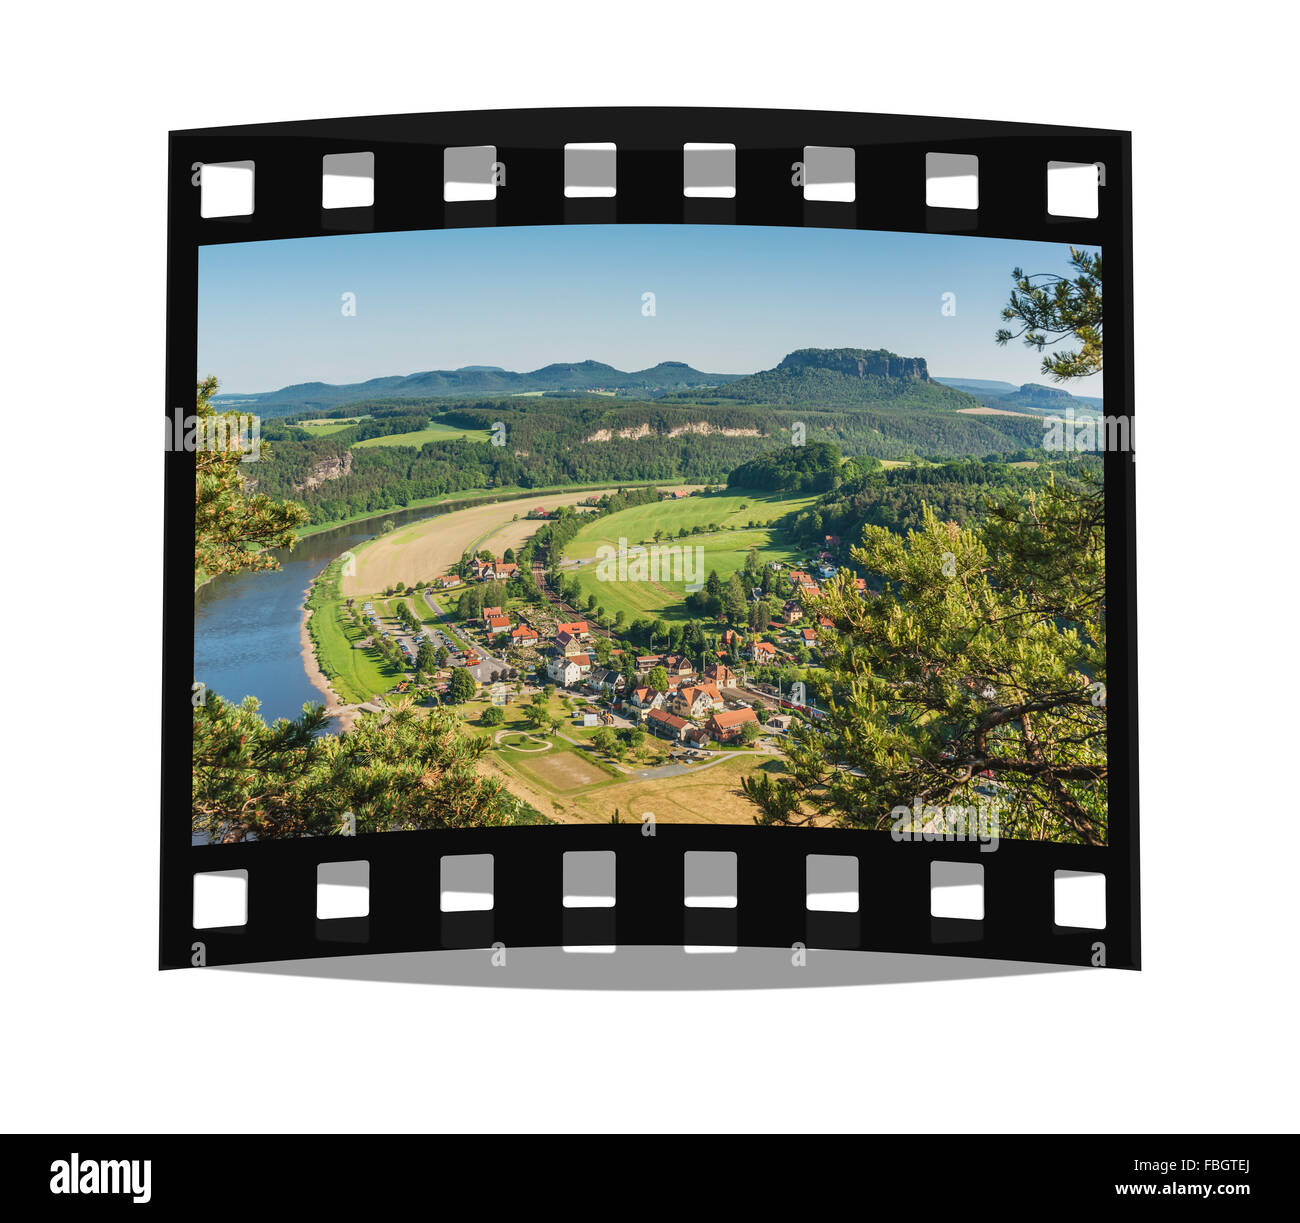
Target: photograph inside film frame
[(673, 524)]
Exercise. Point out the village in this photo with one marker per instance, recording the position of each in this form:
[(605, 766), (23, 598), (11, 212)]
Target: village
[(712, 702), (585, 713)]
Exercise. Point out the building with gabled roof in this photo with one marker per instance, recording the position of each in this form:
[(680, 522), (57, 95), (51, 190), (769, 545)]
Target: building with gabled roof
[(729, 724), (667, 725), (696, 700), (646, 698), (720, 674)]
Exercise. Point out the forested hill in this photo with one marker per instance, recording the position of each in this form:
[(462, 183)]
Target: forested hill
[(844, 378), (598, 440), (1031, 397), (475, 380)]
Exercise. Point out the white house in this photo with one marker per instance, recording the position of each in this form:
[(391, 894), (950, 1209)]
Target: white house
[(647, 698), (563, 670)]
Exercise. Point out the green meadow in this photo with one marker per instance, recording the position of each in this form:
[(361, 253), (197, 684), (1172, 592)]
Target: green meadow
[(323, 428), (433, 432), (726, 537), (356, 675)]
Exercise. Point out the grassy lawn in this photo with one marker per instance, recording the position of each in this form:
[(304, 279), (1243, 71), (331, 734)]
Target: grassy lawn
[(356, 675), (421, 609), (577, 783), (724, 550), (323, 428), (705, 796), (522, 740), (562, 770), (433, 432), (638, 524)]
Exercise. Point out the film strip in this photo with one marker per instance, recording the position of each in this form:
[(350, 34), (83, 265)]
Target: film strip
[(666, 883)]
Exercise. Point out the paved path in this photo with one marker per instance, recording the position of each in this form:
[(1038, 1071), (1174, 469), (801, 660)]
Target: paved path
[(543, 745), (676, 770), (445, 619)]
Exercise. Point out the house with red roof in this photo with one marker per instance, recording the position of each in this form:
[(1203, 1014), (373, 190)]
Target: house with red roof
[(568, 644), (496, 570), (720, 674), (646, 698), (696, 700), (667, 725), (678, 664), (729, 724)]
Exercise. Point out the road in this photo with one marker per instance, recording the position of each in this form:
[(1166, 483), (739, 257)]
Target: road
[(447, 627)]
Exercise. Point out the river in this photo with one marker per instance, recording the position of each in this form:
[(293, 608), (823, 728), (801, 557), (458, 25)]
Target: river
[(247, 625)]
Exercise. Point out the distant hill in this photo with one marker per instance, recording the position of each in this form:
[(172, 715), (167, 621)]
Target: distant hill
[(661, 379), (978, 386), (1039, 398), (1030, 397), (845, 378)]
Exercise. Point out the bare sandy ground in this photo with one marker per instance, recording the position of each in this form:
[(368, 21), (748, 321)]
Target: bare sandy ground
[(544, 803), (346, 714), (428, 548), (983, 411)]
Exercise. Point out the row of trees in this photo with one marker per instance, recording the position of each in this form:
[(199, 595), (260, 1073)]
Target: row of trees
[(406, 770), (976, 677), (580, 443)]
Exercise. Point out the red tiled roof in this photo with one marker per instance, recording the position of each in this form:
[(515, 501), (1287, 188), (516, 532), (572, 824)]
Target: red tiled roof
[(733, 717), (668, 719)]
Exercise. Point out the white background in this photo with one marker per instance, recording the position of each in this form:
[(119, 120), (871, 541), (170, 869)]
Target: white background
[(94, 1037)]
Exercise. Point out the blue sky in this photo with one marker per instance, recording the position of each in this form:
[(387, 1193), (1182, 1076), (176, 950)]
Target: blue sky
[(728, 299)]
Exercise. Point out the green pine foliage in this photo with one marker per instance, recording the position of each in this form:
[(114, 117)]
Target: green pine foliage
[(976, 675), (412, 769)]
